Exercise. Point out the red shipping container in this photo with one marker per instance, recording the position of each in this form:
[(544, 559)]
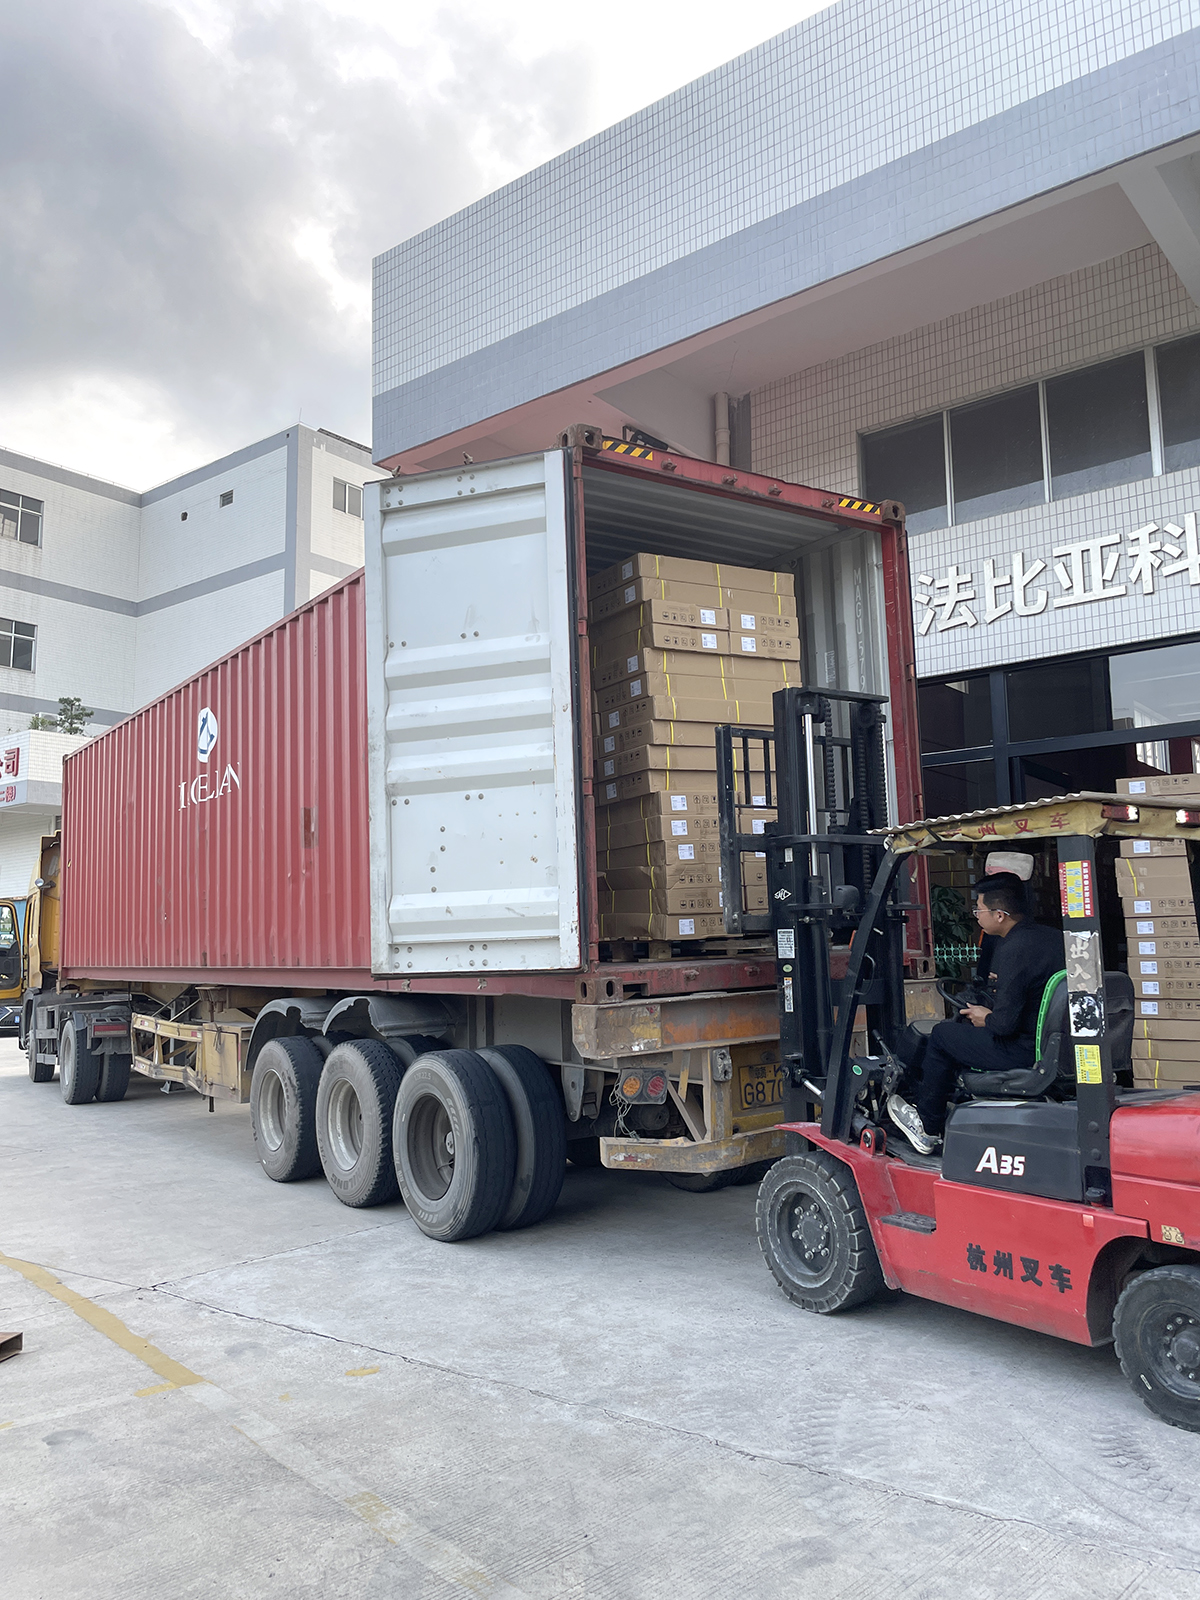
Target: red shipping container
[(271, 740)]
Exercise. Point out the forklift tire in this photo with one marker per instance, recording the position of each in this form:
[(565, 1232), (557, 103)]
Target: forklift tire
[(355, 1101), (78, 1067), (283, 1109), (455, 1145), (1156, 1329), (813, 1231), (537, 1113), (115, 1071)]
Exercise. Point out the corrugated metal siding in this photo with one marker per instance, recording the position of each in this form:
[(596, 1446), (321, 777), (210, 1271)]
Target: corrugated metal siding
[(264, 865)]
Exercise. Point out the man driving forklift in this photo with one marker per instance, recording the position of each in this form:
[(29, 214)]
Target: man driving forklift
[(996, 1035)]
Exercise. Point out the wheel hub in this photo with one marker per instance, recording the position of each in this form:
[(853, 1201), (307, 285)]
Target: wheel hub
[(1182, 1340), (810, 1230), (450, 1145)]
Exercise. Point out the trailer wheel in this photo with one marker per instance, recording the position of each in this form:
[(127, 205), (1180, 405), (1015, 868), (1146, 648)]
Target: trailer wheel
[(78, 1067), (114, 1076), (283, 1109), (813, 1231), (355, 1101), (1156, 1328), (537, 1113), (39, 1071), (455, 1145)]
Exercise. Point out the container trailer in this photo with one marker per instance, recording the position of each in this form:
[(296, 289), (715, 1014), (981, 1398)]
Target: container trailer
[(348, 873)]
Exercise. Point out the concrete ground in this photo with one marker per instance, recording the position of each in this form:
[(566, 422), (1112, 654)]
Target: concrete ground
[(617, 1403)]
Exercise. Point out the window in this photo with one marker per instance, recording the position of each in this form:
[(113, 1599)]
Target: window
[(955, 716), (16, 644), (996, 453), (20, 517), (1179, 399), (1099, 426), (347, 497), (227, 497), (909, 464), (1064, 697), (1155, 686)]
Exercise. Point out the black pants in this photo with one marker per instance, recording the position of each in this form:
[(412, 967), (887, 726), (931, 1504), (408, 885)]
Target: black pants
[(952, 1046)]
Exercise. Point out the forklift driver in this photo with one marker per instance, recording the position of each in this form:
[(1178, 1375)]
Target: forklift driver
[(999, 1038)]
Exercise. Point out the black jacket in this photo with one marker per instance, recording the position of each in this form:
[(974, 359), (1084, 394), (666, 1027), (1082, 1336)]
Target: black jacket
[(1022, 961)]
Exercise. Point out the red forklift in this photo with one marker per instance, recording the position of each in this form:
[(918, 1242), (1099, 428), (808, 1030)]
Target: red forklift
[(1064, 1199)]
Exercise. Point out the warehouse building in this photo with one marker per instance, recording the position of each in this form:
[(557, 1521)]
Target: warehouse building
[(945, 254), (113, 597)]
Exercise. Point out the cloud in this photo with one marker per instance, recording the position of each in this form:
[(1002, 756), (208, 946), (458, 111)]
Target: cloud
[(192, 196)]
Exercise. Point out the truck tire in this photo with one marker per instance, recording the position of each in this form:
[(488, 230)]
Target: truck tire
[(812, 1229), (283, 1109), (39, 1071), (114, 1076), (355, 1101), (537, 1113), (1156, 1329), (455, 1145), (78, 1067)]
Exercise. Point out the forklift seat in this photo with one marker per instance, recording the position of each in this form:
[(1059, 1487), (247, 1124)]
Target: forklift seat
[(1053, 1064)]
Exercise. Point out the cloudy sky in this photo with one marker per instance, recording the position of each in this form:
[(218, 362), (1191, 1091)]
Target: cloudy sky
[(192, 191)]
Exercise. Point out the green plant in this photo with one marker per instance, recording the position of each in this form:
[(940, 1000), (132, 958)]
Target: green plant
[(42, 722), (73, 716)]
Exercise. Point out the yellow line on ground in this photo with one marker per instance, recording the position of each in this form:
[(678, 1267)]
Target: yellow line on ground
[(174, 1375)]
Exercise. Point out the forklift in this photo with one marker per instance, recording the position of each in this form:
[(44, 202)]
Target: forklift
[(1064, 1199)]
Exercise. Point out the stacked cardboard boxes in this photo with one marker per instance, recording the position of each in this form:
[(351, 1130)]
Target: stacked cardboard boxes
[(678, 646), (1155, 885)]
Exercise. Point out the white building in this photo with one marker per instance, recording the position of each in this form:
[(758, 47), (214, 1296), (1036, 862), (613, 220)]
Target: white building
[(115, 596)]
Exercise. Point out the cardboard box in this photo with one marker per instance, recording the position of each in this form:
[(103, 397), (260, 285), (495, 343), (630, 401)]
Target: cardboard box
[(1139, 947), (773, 645), (782, 626), (1166, 1075), (1134, 870), (1148, 926), (696, 654), (675, 874), (697, 799), (652, 731), (671, 613), (750, 708), (1166, 988), (1166, 1050), (732, 596), (1172, 1010), (1153, 847), (681, 783), (1171, 907), (620, 925), (626, 655), (1163, 786), (1143, 966), (684, 570), (706, 678), (674, 758), (678, 900), (664, 854), (1164, 1028), (636, 823)]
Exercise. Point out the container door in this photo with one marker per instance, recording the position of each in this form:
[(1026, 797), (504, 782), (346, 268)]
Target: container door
[(471, 703)]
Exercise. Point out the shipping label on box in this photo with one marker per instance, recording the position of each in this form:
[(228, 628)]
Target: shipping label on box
[(667, 613)]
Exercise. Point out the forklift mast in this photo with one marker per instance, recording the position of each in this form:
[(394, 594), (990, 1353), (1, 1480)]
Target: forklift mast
[(830, 882)]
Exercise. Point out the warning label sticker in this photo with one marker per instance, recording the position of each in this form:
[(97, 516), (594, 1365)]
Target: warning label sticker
[(1087, 1064), (1075, 888)]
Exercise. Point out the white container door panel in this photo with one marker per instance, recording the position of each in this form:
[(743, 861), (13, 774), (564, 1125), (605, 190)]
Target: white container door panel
[(470, 620)]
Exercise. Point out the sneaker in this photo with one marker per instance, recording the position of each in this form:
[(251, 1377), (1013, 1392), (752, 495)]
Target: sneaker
[(908, 1119)]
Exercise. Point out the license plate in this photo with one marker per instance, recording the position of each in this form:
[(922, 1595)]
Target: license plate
[(760, 1087)]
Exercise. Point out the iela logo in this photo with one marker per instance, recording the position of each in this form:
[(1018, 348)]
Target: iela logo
[(198, 792), (207, 729)]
